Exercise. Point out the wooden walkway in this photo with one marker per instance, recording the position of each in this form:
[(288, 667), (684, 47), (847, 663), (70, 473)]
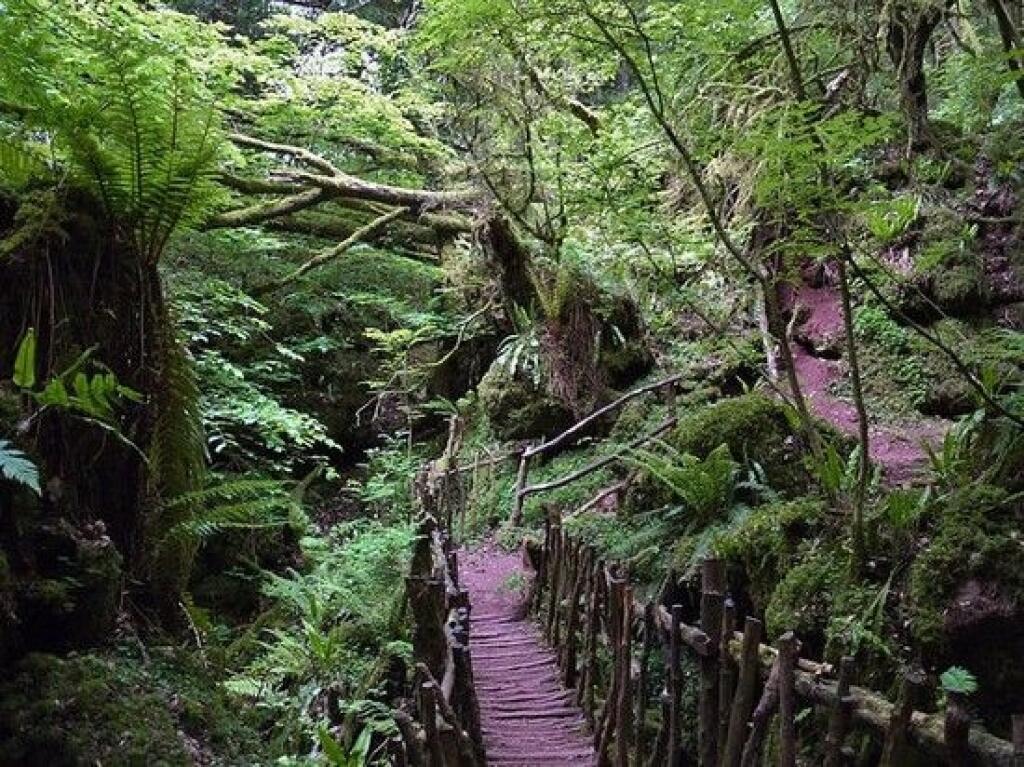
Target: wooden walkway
[(528, 718)]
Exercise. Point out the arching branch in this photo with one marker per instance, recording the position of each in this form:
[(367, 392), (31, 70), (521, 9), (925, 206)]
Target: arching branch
[(360, 235)]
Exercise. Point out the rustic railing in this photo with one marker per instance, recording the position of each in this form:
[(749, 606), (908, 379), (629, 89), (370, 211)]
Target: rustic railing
[(606, 638), (445, 731), (667, 386)]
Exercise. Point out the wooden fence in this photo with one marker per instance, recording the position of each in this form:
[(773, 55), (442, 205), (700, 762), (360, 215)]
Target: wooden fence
[(446, 729), (746, 691)]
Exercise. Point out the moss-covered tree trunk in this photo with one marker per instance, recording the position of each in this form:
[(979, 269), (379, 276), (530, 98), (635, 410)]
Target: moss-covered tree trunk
[(83, 289)]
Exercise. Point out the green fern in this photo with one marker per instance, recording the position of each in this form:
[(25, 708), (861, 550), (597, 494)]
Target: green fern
[(19, 163), (249, 504), (16, 467)]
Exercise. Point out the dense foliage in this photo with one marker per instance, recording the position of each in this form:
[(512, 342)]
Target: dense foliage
[(255, 255)]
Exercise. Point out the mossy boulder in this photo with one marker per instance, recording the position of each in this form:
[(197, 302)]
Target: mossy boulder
[(832, 613), (518, 407), (966, 594), (70, 597), (84, 710), (763, 547), (624, 355), (755, 429), (949, 274), (977, 540)]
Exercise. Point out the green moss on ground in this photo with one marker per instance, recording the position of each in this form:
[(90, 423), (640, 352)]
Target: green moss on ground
[(113, 709), (976, 538)]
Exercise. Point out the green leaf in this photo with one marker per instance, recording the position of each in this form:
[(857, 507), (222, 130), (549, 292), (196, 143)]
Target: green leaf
[(25, 362), (16, 467), (332, 749), (958, 680)]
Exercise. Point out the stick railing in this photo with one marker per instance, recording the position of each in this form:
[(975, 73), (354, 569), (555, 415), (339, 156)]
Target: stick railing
[(606, 639), (445, 731), (529, 452)]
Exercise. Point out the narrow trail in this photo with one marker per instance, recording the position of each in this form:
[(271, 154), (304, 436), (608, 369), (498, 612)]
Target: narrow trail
[(528, 718), (897, 447)]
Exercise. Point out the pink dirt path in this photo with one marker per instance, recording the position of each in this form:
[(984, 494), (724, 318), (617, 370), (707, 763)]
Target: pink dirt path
[(895, 447), (528, 718)]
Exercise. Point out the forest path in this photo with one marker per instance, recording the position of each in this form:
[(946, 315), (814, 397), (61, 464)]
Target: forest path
[(528, 718), (896, 447)]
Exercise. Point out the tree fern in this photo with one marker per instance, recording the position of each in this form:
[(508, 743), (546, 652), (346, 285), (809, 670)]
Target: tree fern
[(16, 467), (126, 99)]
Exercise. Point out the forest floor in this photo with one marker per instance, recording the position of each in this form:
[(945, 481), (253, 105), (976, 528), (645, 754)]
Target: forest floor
[(528, 717), (897, 447)]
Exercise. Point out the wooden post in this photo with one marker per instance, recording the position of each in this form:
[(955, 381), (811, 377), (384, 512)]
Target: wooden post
[(760, 719), (608, 726), (521, 477), (1017, 734), (711, 606), (641, 684), (428, 718), (580, 576), (537, 597), (957, 728), (453, 567), (726, 670), (396, 752), (675, 676), (554, 577), (896, 750), (659, 757), (624, 734), (839, 716), (593, 628), (788, 649), (743, 702)]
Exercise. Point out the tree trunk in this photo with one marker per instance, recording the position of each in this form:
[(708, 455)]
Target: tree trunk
[(910, 29)]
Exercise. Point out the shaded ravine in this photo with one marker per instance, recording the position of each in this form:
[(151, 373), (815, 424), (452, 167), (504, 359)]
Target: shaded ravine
[(528, 718)]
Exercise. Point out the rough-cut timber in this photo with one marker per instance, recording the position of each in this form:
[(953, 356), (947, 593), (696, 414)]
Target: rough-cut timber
[(528, 718)]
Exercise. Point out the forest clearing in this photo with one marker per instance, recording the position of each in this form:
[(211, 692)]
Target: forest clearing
[(452, 383)]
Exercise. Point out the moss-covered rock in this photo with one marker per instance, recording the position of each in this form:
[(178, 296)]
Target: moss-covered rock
[(833, 614), (84, 711), (966, 595), (977, 540), (70, 598), (518, 408), (755, 428), (765, 545)]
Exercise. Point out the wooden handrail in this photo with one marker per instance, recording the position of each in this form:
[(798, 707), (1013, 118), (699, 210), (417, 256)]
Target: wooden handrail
[(599, 463), (603, 603), (554, 442)]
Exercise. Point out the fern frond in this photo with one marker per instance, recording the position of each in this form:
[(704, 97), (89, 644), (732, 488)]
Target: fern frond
[(17, 467)]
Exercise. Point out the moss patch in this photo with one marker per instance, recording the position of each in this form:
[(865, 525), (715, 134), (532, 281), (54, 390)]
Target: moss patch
[(519, 409), (766, 544), (755, 429), (81, 711), (977, 538)]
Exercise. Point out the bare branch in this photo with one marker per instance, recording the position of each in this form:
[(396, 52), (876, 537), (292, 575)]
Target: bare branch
[(329, 255), (257, 214)]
